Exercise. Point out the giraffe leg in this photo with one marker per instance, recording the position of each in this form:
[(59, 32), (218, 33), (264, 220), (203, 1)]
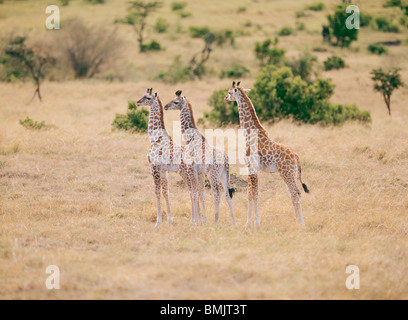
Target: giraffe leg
[(250, 200), (295, 196), (225, 184), (188, 175), (215, 186), (156, 178), (165, 190), (201, 191), (254, 187)]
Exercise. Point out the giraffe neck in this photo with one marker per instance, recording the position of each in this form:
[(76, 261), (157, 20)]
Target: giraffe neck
[(156, 127), (188, 125), (248, 118)]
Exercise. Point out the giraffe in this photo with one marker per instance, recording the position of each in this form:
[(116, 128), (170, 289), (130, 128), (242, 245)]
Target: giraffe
[(264, 154), (210, 161), (165, 156)]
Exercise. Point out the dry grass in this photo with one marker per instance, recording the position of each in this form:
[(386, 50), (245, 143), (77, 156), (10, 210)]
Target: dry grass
[(81, 197)]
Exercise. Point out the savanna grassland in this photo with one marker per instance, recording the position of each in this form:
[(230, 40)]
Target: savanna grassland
[(80, 196)]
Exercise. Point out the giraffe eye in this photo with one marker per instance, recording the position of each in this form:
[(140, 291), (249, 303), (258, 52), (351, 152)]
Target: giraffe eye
[(149, 98), (176, 102), (236, 90)]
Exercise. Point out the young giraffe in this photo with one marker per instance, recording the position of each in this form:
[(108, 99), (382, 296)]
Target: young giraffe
[(269, 156), (209, 161), (165, 156)]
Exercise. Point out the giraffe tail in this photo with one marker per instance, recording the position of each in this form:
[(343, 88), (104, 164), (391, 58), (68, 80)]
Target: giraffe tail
[(300, 177)]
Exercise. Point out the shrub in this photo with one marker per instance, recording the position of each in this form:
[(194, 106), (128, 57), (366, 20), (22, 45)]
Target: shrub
[(223, 112), (152, 46), (135, 120), (335, 63), (31, 124), (161, 25), (285, 31), (176, 6), (404, 21), (218, 37), (303, 66), (95, 1), (241, 9), (300, 14), (64, 2), (319, 6), (365, 19), (236, 71), (377, 49), (278, 95), (338, 28), (184, 14), (393, 3), (177, 72), (268, 52), (384, 24)]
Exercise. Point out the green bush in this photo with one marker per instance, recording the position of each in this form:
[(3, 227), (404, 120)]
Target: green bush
[(235, 72), (377, 49), (268, 52), (278, 95), (184, 14), (219, 37), (95, 1), (177, 72), (365, 19), (335, 63), (303, 66), (285, 31), (393, 3), (135, 120), (319, 6), (223, 112), (241, 9), (338, 27), (31, 124), (384, 24), (300, 14), (152, 46), (161, 25), (176, 6), (404, 21), (64, 2)]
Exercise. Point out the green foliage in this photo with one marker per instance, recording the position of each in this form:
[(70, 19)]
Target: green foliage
[(135, 120), (285, 31), (393, 3), (335, 63), (177, 6), (223, 112), (209, 36), (152, 46), (365, 19), (278, 95), (268, 52), (177, 72), (95, 1), (237, 71), (384, 24), (303, 66), (241, 9), (184, 14), (338, 28), (65, 2), (377, 48), (319, 6), (404, 21), (386, 82), (300, 14), (31, 124), (161, 25)]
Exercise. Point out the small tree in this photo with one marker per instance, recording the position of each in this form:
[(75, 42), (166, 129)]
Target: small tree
[(337, 22), (386, 82), (138, 13), (268, 52), (31, 61)]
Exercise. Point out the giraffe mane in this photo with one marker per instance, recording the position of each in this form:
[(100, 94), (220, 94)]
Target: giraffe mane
[(253, 112), (191, 113), (161, 113)]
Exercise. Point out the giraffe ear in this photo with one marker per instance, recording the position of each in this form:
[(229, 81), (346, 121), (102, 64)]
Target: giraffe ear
[(156, 94)]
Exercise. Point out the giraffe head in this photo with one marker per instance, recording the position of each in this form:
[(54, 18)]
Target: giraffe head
[(177, 103), (148, 98), (234, 92)]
